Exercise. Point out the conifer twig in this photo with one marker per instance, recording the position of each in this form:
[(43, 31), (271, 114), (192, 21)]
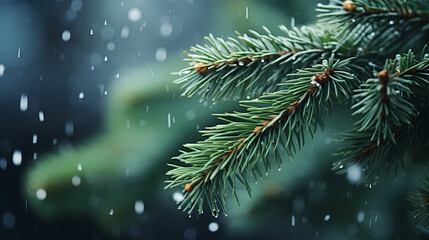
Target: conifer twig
[(273, 122)]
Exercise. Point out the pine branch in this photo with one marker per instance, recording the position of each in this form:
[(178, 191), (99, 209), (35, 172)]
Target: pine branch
[(251, 65), (274, 122), (391, 106), (383, 101), (376, 159), (393, 25)]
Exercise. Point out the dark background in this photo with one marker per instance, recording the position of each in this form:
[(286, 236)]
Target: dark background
[(54, 72)]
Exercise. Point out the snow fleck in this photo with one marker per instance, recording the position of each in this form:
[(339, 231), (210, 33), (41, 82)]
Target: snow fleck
[(19, 52), (134, 14), (76, 5), (213, 227), (111, 212), (70, 15), (17, 158), (76, 180), (34, 138), (41, 194), (2, 68), (327, 217), (125, 32), (66, 35), (190, 115), (91, 32), (81, 95), (23, 103), (354, 173), (3, 163), (325, 62), (166, 29), (95, 58), (139, 207), (293, 220), (360, 216), (41, 116), (315, 83), (69, 128), (110, 46), (178, 197), (79, 167), (161, 54)]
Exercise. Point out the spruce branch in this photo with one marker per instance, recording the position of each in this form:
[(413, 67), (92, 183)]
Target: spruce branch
[(274, 122), (391, 105), (376, 159), (392, 25), (250, 65)]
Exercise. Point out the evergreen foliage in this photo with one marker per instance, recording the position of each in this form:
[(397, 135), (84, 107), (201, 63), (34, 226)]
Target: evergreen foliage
[(340, 62)]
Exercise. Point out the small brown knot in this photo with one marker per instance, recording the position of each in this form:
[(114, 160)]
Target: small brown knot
[(189, 187), (231, 62), (384, 77), (297, 104), (320, 78), (246, 61), (312, 90), (257, 129), (414, 71), (348, 5), (200, 69), (227, 154), (290, 109), (328, 72), (241, 144)]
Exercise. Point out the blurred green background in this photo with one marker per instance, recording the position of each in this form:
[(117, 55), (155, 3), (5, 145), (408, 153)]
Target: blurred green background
[(90, 118)]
